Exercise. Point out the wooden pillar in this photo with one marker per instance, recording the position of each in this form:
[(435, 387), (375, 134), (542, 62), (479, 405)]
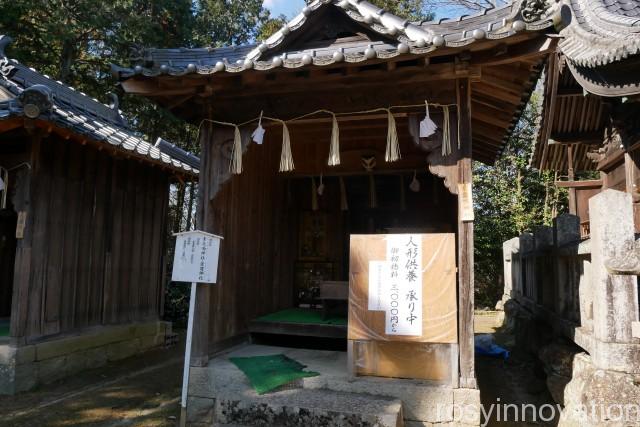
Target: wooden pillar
[(200, 344), (23, 203), (465, 242), (573, 207)]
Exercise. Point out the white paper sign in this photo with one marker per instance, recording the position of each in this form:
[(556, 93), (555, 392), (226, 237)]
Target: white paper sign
[(395, 285), (378, 278), (196, 257), (404, 312)]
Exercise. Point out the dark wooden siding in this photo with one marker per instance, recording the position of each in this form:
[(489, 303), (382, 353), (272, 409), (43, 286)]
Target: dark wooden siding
[(255, 274), (258, 215), (93, 247)]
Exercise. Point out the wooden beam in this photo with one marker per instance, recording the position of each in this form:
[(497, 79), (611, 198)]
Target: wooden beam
[(7, 125), (551, 89), (591, 183), (345, 100), (493, 91), (570, 138), (528, 50), (465, 246)]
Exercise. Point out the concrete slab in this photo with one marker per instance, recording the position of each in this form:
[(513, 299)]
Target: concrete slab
[(423, 401)]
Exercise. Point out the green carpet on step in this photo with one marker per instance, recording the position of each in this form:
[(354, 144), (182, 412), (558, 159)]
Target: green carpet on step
[(303, 315), (267, 373), (4, 329)]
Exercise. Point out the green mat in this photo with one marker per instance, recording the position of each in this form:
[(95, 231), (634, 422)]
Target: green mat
[(4, 329), (303, 315), (267, 373)]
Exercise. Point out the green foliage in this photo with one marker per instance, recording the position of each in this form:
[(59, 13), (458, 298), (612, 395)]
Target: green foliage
[(75, 41), (510, 198), (270, 26), (413, 10)]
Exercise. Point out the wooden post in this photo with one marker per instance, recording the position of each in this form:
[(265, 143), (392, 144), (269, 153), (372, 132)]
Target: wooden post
[(573, 207), (465, 243), (24, 202), (200, 345), (187, 357)]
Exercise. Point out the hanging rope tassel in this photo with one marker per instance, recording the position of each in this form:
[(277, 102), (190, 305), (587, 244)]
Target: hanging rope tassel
[(334, 150), (458, 119), (314, 195), (393, 148), (373, 196), (235, 167), (403, 198), (446, 131), (286, 159), (344, 205)]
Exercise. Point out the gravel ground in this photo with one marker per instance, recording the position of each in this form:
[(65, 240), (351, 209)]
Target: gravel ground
[(145, 390), (517, 381), (140, 391)]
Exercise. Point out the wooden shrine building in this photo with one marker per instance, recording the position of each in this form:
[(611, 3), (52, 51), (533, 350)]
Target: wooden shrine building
[(302, 211), (590, 131), (83, 212)]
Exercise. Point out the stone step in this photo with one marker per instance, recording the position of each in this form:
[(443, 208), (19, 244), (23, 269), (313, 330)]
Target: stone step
[(308, 408)]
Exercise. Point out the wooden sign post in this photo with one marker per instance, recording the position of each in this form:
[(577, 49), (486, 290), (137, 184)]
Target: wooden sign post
[(195, 260)]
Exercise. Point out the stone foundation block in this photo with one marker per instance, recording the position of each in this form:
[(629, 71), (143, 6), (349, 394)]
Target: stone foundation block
[(122, 350), (51, 370), (466, 406), (200, 411)]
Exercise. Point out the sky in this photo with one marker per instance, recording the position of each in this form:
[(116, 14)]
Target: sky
[(290, 8)]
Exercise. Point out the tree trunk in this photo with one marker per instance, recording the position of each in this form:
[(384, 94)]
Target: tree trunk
[(67, 58), (191, 200)]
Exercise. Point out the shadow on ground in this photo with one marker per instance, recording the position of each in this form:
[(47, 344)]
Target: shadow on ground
[(140, 391), (506, 386)]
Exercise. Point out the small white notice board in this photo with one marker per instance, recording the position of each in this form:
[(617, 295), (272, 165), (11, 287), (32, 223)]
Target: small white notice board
[(195, 260), (196, 257)]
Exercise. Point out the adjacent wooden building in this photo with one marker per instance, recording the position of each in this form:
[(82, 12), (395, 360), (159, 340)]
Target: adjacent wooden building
[(590, 133), (371, 72), (83, 230)]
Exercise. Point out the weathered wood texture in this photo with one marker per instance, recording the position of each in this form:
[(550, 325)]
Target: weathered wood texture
[(93, 247), (439, 308), (465, 246), (251, 212)]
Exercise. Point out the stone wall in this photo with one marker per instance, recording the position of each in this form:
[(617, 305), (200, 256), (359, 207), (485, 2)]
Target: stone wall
[(24, 367), (575, 304)]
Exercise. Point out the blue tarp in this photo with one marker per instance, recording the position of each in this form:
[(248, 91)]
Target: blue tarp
[(485, 346)]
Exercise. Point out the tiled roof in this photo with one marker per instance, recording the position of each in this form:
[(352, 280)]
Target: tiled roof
[(398, 37), (599, 44), (602, 32), (79, 113)]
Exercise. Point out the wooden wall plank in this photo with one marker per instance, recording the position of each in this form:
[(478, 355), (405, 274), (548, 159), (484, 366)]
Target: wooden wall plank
[(23, 262), (94, 241), (71, 249), (56, 225)]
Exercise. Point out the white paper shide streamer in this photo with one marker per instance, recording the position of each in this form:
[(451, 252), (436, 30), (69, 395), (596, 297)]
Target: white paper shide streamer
[(236, 155), (427, 126), (392, 153), (286, 158), (334, 150), (258, 134)]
